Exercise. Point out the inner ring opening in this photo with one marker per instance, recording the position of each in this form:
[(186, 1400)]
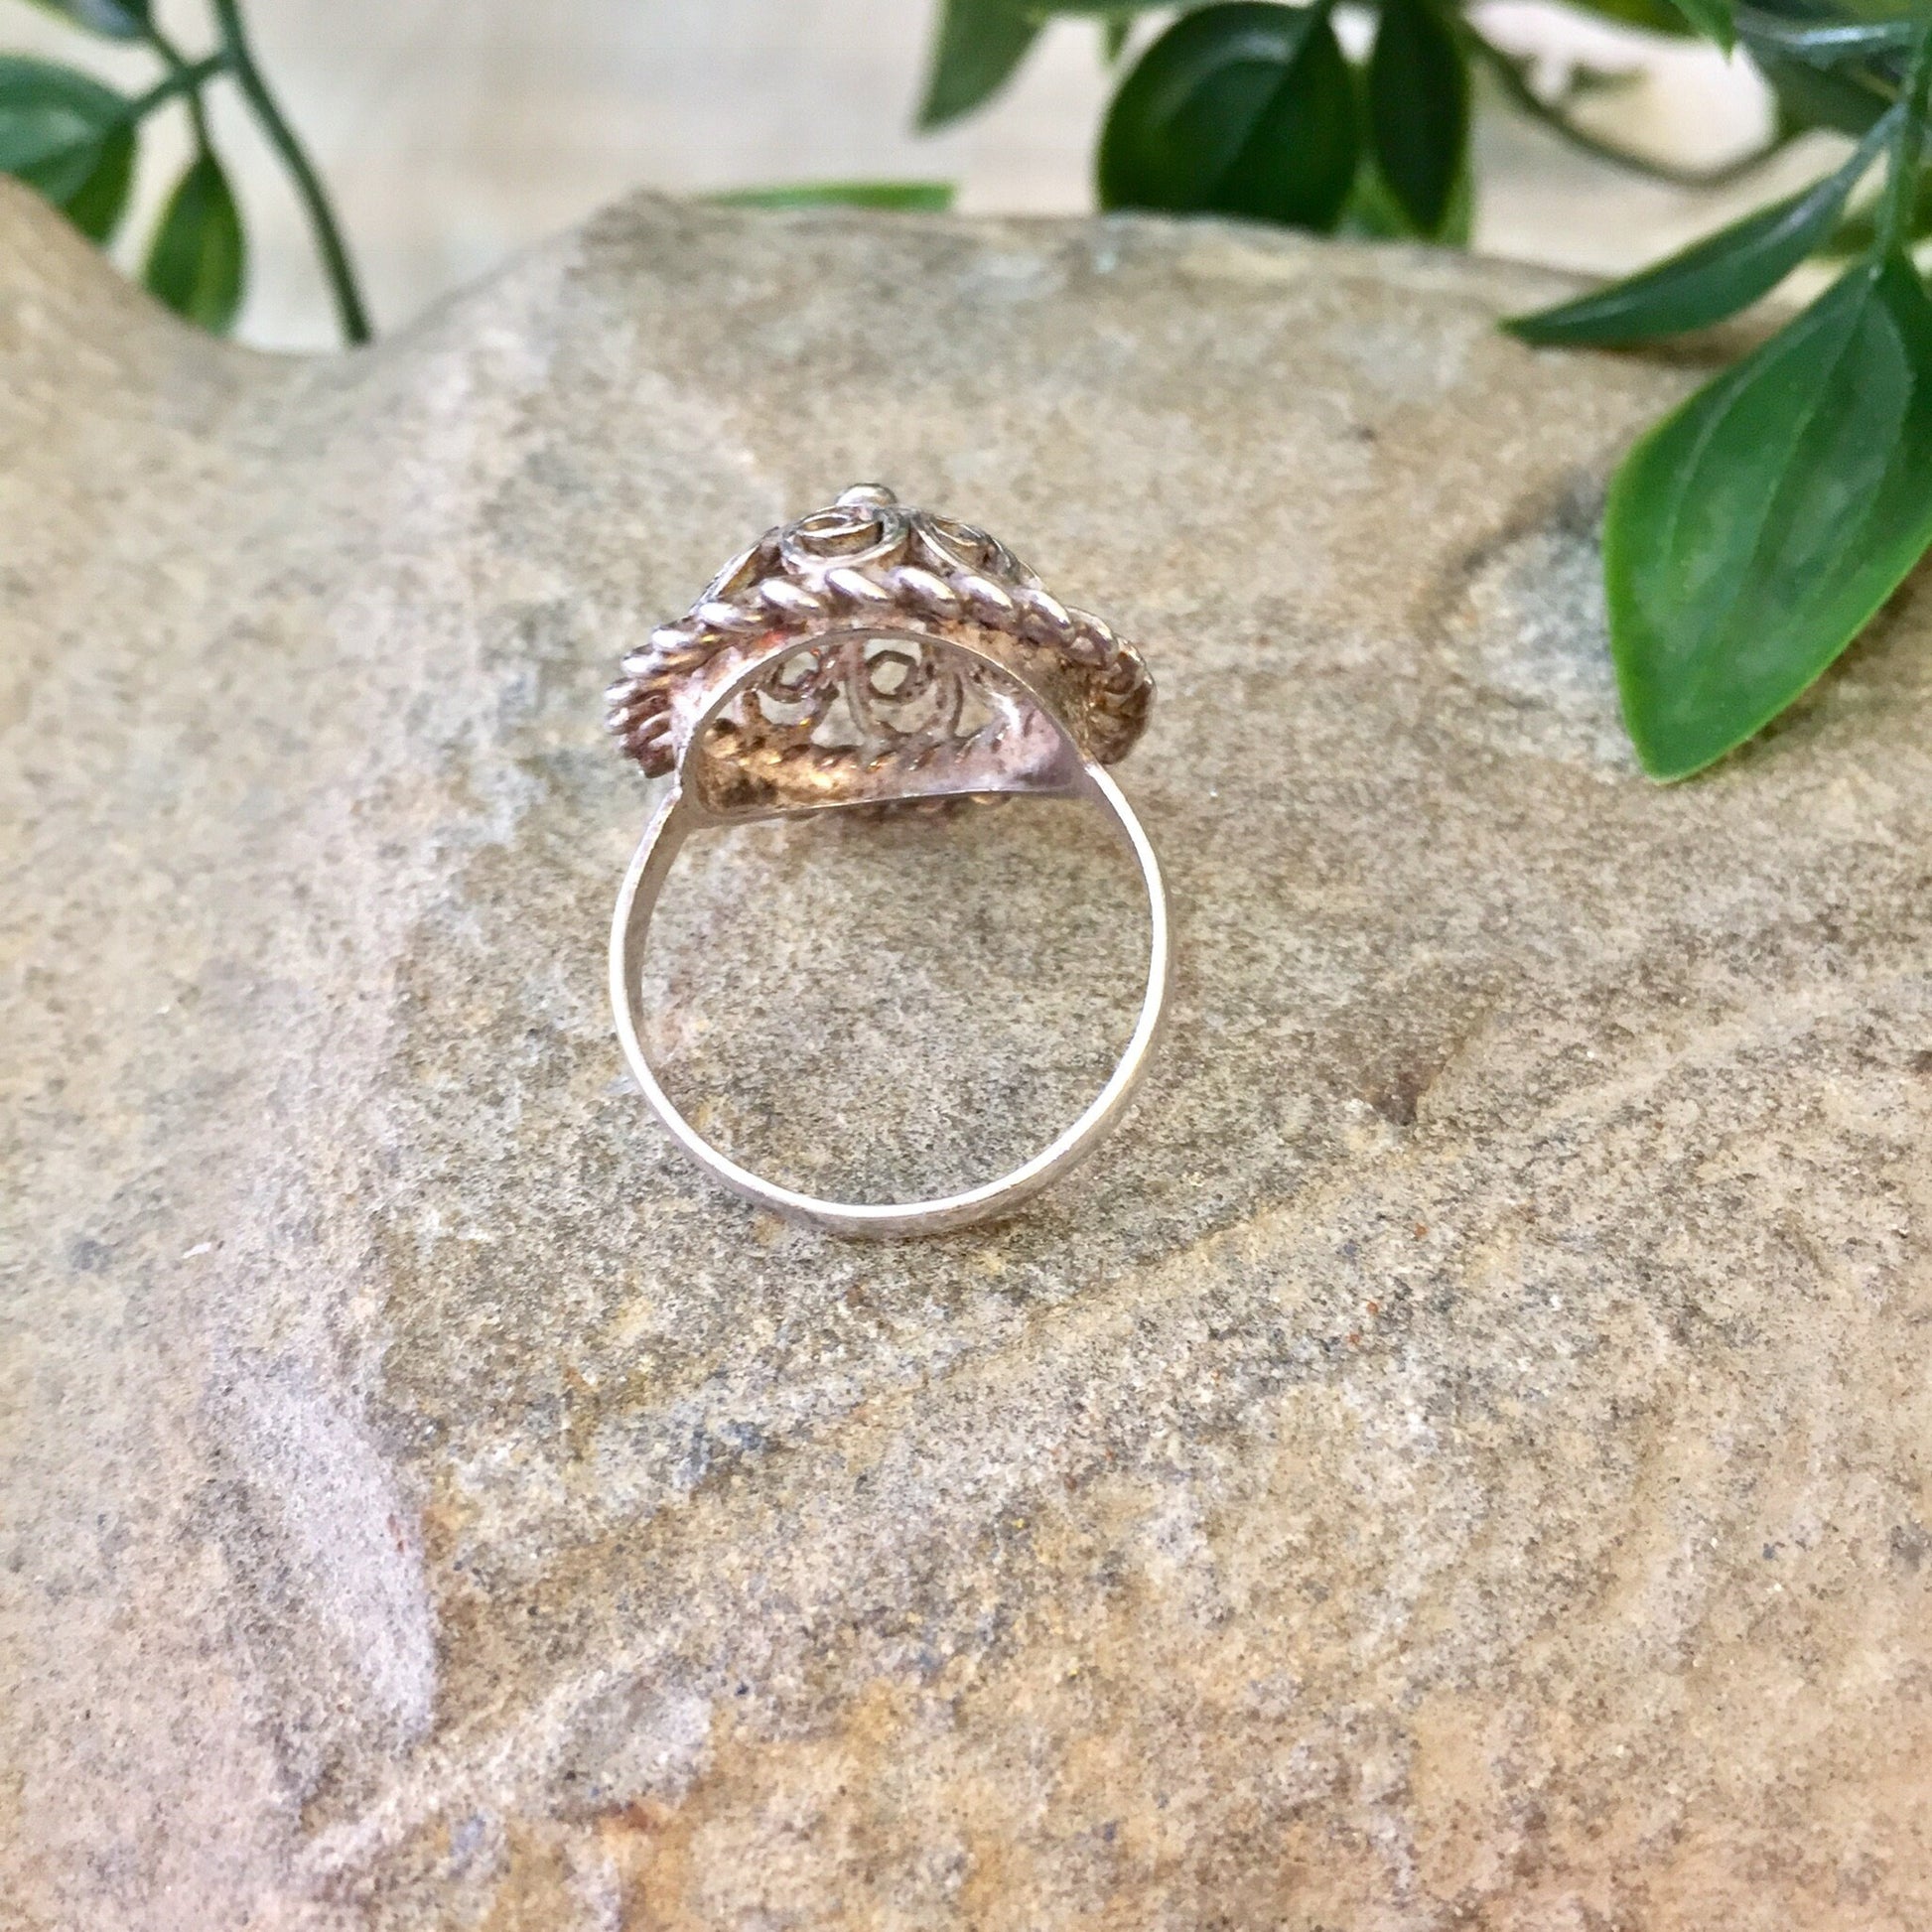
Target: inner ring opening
[(889, 1011)]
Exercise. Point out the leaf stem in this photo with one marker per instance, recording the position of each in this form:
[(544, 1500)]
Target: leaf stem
[(1908, 149), (1508, 72), (187, 77), (241, 60)]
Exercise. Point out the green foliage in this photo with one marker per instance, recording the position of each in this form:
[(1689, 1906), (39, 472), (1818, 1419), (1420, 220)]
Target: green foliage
[(77, 143), (1419, 110), (981, 44), (1712, 278), (908, 196), (1752, 533), (96, 206), (1242, 108), (1653, 16), (1859, 232), (196, 264), (1825, 43), (1844, 102), (1374, 215), (115, 20), (55, 126), (1750, 536), (1711, 18)]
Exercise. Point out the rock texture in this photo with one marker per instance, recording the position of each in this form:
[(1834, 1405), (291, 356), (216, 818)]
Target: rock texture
[(1459, 1460)]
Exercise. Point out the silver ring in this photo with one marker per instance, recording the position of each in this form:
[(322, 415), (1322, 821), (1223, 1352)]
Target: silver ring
[(871, 656)]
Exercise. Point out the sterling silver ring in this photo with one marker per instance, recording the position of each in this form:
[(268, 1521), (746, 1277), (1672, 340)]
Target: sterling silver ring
[(874, 655)]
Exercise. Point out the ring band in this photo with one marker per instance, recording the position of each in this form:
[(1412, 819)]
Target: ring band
[(873, 655)]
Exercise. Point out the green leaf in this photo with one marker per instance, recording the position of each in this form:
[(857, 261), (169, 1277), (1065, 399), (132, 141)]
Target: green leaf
[(54, 122), (1243, 108), (1653, 16), (118, 20), (1752, 534), (64, 134), (980, 44), (1846, 100), (1715, 277), (1858, 233), (198, 261), (97, 205), (1712, 18), (1114, 30), (913, 196), (1418, 109), (1825, 43), (1372, 212)]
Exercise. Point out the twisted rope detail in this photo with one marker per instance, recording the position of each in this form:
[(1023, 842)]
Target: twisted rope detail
[(1119, 692)]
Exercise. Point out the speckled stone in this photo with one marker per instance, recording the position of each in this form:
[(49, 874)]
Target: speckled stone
[(1460, 1457)]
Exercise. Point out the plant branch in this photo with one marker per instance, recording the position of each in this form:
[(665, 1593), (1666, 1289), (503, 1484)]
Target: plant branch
[(188, 79), (1908, 148), (330, 246), (1508, 71)]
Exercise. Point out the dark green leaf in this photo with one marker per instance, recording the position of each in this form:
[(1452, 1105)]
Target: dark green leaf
[(118, 20), (96, 206), (1752, 533), (1114, 30), (67, 136), (1825, 43), (980, 43), (1458, 224), (1418, 109), (1846, 100), (199, 257), (1243, 108), (1858, 233), (1372, 212), (1715, 277), (1654, 16), (53, 124), (1712, 18), (915, 197)]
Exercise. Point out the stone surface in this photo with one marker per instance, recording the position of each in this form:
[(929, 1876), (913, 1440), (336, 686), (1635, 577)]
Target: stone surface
[(1459, 1460)]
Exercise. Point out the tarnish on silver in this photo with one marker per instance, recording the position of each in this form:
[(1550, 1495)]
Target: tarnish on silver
[(871, 654)]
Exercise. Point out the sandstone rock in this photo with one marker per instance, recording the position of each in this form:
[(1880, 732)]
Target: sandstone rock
[(1457, 1460)]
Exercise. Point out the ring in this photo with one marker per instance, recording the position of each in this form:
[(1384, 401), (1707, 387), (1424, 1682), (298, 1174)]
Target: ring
[(875, 655)]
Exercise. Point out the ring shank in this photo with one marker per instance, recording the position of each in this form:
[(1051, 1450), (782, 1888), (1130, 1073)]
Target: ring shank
[(672, 823)]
